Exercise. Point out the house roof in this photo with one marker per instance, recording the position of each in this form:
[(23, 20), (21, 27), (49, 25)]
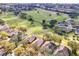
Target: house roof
[(62, 51), (31, 39)]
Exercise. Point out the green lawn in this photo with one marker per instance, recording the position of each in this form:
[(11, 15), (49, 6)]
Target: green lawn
[(38, 17)]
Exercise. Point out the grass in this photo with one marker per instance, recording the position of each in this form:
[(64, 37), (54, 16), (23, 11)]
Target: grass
[(38, 17)]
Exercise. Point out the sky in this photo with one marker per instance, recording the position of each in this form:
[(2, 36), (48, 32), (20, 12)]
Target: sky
[(39, 1)]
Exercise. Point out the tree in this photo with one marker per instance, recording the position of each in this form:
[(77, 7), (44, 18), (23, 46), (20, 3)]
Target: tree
[(16, 12), (47, 36), (31, 19), (77, 51), (4, 34), (50, 14), (16, 38), (57, 13), (73, 46), (46, 51), (38, 12), (9, 46), (52, 23), (43, 21), (57, 38), (19, 51), (59, 30), (44, 24), (23, 15)]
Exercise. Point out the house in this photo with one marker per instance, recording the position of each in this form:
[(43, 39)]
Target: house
[(74, 25), (62, 51), (4, 27), (31, 39), (67, 27), (73, 22), (77, 30), (49, 45), (2, 51), (61, 24), (38, 42)]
